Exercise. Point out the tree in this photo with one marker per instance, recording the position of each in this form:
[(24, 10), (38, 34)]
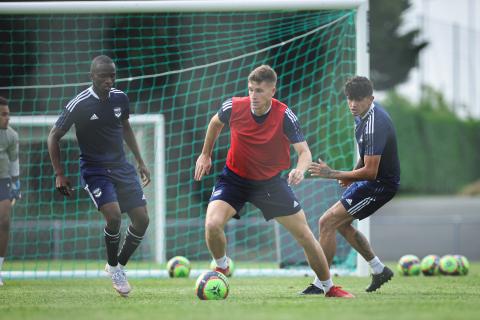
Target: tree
[(392, 55)]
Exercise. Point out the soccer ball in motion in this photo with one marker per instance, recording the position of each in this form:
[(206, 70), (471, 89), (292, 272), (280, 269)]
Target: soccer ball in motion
[(231, 266), (409, 265), (212, 285), (429, 265), (463, 264), (449, 266), (178, 267)]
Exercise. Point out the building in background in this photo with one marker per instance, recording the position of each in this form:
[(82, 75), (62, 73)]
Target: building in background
[(451, 62)]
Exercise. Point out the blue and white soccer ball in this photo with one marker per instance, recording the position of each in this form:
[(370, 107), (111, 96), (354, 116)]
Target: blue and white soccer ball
[(409, 265)]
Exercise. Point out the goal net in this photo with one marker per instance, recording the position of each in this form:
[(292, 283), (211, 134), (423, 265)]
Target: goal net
[(177, 67)]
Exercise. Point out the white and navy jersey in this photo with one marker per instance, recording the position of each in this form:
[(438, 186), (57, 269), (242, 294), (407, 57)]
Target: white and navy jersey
[(376, 135), (98, 126), (291, 125)]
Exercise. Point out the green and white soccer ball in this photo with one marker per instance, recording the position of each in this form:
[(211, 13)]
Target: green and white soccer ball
[(449, 266), (463, 264), (231, 266), (430, 265), (212, 285), (178, 267), (409, 265)]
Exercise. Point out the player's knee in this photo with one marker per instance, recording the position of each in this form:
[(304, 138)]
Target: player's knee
[(213, 226), (113, 222), (305, 238), (326, 223), (141, 222)]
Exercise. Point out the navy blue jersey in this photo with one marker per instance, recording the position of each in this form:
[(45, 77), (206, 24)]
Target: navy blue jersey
[(376, 135), (98, 126), (291, 126)]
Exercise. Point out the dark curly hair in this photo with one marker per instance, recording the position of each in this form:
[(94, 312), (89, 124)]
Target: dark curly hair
[(357, 88)]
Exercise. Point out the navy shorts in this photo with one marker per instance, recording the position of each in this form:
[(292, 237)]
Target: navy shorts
[(118, 184), (5, 185), (362, 198), (273, 197)]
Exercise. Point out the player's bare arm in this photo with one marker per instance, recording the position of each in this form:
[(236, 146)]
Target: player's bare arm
[(204, 161), (129, 138), (304, 160), (346, 182), (62, 183), (368, 172)]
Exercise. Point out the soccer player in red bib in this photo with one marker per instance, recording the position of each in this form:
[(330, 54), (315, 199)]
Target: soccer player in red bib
[(261, 132)]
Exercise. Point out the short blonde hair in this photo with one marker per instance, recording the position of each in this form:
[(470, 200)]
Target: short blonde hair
[(264, 73)]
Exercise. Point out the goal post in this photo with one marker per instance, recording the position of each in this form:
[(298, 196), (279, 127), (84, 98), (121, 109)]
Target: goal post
[(177, 61)]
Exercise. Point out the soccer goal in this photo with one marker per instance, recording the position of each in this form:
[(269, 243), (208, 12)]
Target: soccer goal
[(177, 61)]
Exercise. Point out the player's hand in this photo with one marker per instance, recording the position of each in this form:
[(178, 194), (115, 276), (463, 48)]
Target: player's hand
[(63, 185), (15, 193), (202, 167), (295, 177), (144, 175), (320, 169), (344, 182)]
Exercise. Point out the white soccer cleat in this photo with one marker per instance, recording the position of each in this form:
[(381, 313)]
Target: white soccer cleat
[(120, 282)]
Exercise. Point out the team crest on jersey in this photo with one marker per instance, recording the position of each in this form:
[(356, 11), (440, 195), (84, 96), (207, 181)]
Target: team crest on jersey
[(117, 111), (97, 192)]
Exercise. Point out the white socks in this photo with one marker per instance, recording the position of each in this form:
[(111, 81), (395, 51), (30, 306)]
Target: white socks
[(325, 285), (112, 269), (376, 265), (222, 262)]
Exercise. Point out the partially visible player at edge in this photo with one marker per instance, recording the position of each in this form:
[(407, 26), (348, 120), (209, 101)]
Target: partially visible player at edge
[(261, 131), (100, 114), (373, 182), (9, 177)]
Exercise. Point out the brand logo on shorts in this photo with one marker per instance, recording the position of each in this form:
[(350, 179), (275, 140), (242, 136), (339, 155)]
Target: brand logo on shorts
[(349, 201), (94, 117), (295, 204), (216, 193), (143, 197), (97, 192), (117, 111)]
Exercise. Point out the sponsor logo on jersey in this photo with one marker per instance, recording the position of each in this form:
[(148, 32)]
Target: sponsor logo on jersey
[(117, 111), (97, 192)]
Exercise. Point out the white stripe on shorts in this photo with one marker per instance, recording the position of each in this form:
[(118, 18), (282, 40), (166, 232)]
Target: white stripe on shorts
[(91, 195), (359, 206)]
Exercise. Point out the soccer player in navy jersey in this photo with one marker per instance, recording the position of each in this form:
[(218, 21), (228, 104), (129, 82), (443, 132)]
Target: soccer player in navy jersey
[(100, 114), (261, 131), (9, 176), (372, 183)]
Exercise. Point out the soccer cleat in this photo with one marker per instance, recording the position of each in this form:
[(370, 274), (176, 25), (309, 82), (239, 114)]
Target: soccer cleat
[(337, 292), (312, 289), (379, 279), (120, 283), (225, 272)]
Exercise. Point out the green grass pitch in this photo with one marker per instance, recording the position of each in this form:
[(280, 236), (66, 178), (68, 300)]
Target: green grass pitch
[(409, 298)]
